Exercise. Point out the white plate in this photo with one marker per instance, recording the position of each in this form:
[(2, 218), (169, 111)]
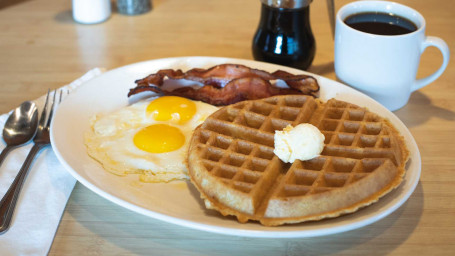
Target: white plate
[(179, 202)]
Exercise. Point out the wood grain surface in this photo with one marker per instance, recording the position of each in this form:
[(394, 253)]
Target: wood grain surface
[(42, 47)]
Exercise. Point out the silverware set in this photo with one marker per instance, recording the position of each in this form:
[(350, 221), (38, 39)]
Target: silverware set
[(21, 126)]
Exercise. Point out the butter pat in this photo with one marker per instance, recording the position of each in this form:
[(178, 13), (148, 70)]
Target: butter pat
[(302, 142)]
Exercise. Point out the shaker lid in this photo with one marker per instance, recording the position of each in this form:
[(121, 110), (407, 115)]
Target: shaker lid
[(287, 4)]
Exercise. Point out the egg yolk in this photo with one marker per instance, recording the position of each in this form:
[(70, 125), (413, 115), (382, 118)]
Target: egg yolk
[(172, 108), (159, 138)]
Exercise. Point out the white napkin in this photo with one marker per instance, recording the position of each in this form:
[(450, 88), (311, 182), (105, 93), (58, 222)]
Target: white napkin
[(43, 196)]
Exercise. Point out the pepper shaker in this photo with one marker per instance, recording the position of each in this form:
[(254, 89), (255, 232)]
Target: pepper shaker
[(133, 7)]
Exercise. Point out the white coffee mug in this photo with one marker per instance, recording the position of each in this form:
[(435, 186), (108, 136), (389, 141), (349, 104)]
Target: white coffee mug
[(382, 66)]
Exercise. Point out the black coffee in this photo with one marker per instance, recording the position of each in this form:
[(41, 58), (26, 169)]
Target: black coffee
[(380, 23)]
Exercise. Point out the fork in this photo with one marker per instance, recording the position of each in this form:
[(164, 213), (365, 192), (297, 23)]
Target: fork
[(41, 140)]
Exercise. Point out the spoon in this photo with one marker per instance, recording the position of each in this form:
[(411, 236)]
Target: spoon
[(20, 127)]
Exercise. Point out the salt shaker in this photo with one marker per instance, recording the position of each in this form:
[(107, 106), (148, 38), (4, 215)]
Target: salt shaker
[(284, 34), (91, 11)]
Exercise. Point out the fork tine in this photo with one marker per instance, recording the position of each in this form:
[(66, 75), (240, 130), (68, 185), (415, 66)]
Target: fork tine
[(42, 120), (60, 99), (51, 112)]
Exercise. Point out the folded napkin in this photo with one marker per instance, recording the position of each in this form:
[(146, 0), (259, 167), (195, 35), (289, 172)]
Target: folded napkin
[(43, 196)]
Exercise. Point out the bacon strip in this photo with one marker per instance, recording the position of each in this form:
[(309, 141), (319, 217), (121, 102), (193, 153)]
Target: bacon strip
[(227, 84)]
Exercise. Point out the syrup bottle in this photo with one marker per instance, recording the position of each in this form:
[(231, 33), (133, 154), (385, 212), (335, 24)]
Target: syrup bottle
[(284, 34)]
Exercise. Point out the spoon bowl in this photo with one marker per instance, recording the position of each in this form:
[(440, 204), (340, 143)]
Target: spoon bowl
[(20, 127)]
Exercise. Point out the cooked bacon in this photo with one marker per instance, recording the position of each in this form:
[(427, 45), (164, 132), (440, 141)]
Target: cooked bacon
[(227, 83), (248, 88)]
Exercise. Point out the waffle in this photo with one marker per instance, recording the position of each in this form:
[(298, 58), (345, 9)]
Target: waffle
[(232, 164)]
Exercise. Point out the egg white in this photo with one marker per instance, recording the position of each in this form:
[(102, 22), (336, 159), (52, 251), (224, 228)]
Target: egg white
[(110, 142)]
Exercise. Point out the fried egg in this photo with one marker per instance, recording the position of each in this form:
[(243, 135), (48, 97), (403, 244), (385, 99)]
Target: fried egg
[(149, 138)]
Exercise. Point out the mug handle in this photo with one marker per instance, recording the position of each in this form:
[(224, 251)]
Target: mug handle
[(442, 46)]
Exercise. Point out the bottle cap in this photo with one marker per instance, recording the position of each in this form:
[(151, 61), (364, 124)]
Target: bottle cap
[(287, 4)]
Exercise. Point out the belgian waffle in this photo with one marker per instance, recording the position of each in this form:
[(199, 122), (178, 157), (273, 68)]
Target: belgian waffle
[(232, 164)]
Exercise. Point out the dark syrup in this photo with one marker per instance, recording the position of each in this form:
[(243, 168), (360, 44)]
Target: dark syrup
[(284, 37), (380, 23)]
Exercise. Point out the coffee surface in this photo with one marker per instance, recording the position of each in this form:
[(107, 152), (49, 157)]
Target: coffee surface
[(380, 23)]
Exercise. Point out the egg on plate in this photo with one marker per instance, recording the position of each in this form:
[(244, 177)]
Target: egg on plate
[(149, 138)]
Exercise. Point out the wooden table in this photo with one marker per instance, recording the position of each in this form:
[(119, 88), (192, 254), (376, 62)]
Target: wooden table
[(42, 47)]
